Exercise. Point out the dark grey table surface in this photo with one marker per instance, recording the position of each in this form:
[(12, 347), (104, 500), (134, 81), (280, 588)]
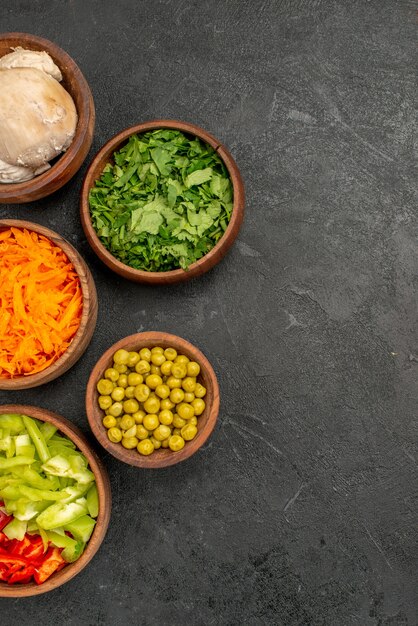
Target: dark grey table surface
[(301, 509)]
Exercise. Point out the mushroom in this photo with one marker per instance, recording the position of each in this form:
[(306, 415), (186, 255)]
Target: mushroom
[(38, 117)]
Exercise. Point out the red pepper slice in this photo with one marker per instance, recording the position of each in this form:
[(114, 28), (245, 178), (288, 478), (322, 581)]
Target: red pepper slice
[(21, 561), (4, 519), (11, 560), (3, 573), (32, 549), (3, 539), (13, 569), (19, 547), (35, 550), (50, 564), (24, 575)]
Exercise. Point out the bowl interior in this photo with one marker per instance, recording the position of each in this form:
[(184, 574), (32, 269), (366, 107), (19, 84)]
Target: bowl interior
[(75, 83), (88, 315), (103, 487), (104, 156), (205, 422)]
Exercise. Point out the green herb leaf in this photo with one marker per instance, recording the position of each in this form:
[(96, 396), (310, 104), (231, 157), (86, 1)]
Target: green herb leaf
[(198, 177), (161, 157)]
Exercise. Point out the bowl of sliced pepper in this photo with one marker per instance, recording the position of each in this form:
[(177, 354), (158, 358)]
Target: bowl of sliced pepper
[(55, 501)]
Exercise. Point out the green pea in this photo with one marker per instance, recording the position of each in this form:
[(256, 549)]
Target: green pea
[(178, 422), (109, 421), (145, 354), (114, 434), (176, 443), (170, 354), (145, 447), (133, 359), (193, 369), (186, 411), (135, 379), (131, 432), (200, 391), (127, 422), (105, 402), (130, 442), (121, 357), (156, 444), (122, 381), (116, 409), (162, 432), (131, 406), (141, 432), (142, 367), (118, 394), (104, 387), (130, 392), (151, 422), (157, 358), (142, 392), (189, 432), (199, 406), (111, 374)]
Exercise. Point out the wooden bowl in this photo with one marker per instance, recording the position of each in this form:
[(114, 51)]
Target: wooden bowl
[(105, 504), (174, 276), (205, 423), (67, 164), (88, 317)]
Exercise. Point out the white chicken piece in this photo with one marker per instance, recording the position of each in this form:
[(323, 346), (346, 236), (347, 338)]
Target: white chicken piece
[(19, 173), (38, 117), (14, 173), (20, 57)]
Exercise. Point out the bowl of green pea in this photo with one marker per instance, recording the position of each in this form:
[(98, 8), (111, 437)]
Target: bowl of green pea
[(152, 399)]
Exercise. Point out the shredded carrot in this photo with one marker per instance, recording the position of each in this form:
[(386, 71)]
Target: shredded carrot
[(40, 302)]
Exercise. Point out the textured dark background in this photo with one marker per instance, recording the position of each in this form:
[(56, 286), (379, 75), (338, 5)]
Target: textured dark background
[(301, 509)]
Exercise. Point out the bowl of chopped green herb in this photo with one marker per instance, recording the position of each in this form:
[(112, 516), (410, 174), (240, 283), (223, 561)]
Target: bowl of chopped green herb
[(162, 202)]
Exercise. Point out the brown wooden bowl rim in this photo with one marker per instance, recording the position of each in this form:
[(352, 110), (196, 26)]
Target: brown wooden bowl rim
[(9, 191), (213, 256), (105, 502), (88, 315), (95, 414)]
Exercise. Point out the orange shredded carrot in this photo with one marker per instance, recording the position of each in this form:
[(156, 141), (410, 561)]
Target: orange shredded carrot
[(41, 302)]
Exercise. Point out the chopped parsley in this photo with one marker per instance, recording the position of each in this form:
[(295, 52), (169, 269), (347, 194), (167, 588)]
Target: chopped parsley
[(164, 201)]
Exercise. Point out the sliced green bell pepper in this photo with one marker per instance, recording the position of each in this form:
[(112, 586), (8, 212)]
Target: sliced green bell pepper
[(15, 529), (62, 514), (48, 430), (81, 528), (27, 510), (37, 438), (16, 460), (12, 422), (93, 501), (63, 441), (72, 466), (37, 495), (73, 549)]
